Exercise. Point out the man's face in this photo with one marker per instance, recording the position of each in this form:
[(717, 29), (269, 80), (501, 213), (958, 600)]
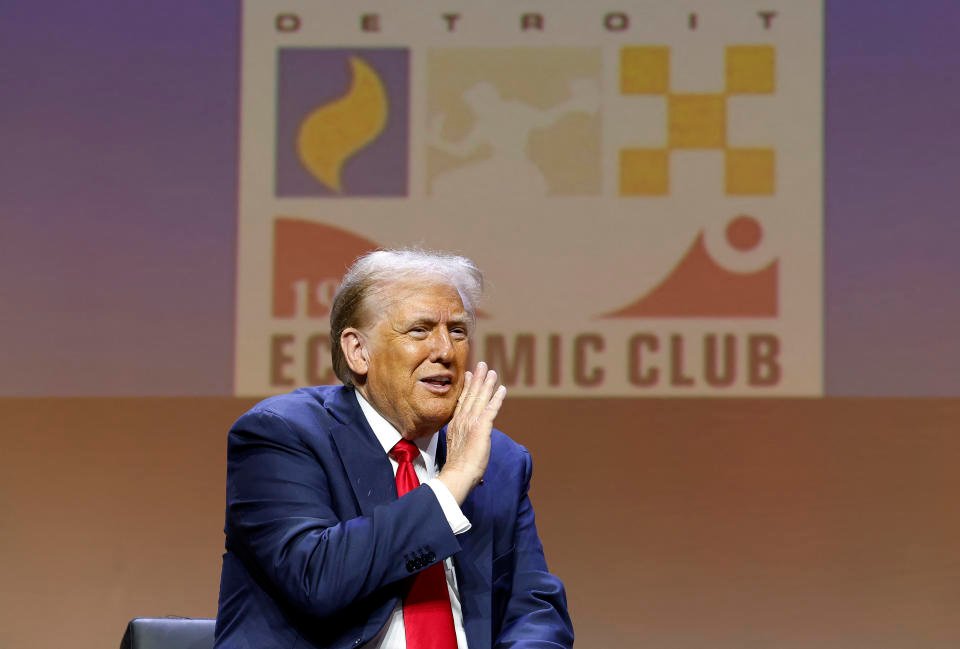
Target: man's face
[(418, 350)]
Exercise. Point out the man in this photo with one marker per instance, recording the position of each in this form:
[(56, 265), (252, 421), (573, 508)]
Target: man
[(387, 513)]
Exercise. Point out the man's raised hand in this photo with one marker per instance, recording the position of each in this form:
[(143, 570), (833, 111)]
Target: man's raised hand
[(468, 433)]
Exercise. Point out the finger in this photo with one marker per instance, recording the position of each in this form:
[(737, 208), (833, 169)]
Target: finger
[(480, 373), (453, 428), (490, 383), (480, 390), (493, 407), (484, 394), (467, 380), (470, 390)]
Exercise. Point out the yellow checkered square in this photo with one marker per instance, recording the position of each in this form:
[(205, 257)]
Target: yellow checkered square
[(750, 69), (645, 70), (750, 172), (644, 172), (697, 121)]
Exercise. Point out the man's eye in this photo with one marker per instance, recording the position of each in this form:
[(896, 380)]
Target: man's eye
[(418, 331), (458, 332)]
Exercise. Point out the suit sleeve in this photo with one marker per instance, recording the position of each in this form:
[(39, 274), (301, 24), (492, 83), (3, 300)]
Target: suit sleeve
[(536, 614), (282, 522)]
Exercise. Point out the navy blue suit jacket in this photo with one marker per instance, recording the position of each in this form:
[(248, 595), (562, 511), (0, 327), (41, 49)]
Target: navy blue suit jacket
[(319, 547)]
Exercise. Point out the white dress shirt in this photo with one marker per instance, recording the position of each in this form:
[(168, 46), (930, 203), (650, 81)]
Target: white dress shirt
[(392, 635)]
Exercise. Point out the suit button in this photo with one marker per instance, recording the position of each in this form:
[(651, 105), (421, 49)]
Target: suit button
[(411, 566), (431, 557)]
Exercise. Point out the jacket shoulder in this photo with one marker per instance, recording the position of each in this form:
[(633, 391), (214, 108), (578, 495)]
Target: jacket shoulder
[(304, 408), (301, 399), (508, 459), (500, 442)]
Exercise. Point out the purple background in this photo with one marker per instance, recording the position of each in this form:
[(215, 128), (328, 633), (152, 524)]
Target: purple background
[(892, 221), (118, 197), (311, 77)]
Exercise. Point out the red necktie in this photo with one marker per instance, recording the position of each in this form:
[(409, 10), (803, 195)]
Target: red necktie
[(427, 618)]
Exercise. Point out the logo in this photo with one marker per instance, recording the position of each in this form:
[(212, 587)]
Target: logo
[(642, 188), (309, 260), (518, 121), (700, 287), (342, 122), (697, 121)]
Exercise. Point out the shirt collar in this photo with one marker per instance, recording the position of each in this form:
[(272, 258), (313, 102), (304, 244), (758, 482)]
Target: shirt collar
[(388, 436)]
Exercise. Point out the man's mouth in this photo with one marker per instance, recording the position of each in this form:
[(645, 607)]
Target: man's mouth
[(438, 384)]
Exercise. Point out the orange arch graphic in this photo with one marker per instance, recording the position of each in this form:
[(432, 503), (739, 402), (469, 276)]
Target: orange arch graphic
[(309, 260), (700, 287)]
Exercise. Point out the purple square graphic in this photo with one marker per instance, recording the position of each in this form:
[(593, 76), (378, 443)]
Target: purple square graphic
[(309, 78)]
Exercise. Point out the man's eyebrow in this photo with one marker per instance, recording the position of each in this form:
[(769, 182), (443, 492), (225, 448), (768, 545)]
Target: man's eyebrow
[(431, 318)]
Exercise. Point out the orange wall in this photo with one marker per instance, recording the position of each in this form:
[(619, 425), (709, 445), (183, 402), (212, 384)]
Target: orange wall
[(675, 523)]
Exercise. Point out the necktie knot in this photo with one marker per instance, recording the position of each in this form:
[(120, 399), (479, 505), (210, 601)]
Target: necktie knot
[(404, 451)]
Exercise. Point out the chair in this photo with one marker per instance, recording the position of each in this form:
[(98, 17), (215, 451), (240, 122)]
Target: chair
[(168, 633)]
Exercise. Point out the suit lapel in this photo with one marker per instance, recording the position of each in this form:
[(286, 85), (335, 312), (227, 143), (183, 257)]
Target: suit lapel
[(367, 466)]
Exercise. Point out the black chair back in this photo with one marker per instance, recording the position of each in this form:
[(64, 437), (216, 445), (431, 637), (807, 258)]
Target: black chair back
[(168, 633)]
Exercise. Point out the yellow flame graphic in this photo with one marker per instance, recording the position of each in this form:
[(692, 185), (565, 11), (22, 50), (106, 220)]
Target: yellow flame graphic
[(332, 133)]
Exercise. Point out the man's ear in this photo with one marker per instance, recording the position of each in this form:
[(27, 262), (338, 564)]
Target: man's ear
[(354, 346)]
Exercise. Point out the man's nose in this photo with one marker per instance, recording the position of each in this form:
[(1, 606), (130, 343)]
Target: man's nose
[(442, 349)]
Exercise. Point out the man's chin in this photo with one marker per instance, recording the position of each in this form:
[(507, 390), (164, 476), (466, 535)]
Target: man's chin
[(438, 412)]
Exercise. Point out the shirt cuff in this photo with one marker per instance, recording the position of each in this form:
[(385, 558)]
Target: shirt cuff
[(458, 522)]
